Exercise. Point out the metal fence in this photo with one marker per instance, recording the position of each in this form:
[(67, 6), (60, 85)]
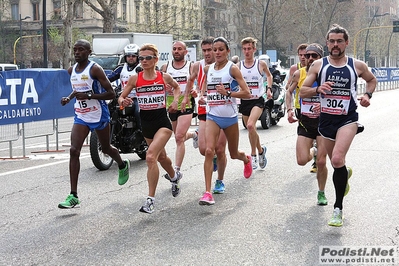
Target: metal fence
[(54, 128), (22, 132)]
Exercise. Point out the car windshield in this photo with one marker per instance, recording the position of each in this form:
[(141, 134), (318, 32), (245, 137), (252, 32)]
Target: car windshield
[(106, 62)]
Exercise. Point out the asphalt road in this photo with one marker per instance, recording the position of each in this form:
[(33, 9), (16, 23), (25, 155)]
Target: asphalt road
[(270, 219)]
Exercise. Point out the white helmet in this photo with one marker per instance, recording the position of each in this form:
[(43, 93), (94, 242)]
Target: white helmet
[(131, 49)]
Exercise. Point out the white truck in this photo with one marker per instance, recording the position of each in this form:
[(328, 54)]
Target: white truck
[(108, 47)]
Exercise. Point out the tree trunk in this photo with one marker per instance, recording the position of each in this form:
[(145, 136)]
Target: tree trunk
[(66, 54)]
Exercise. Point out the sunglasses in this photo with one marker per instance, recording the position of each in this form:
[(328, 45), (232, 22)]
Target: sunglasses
[(148, 57), (131, 55), (314, 56)]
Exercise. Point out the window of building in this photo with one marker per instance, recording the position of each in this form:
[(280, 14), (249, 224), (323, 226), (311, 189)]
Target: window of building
[(190, 18), (36, 13), (78, 9), (165, 13), (147, 16), (15, 12), (137, 13), (57, 9), (124, 10), (183, 18), (174, 15)]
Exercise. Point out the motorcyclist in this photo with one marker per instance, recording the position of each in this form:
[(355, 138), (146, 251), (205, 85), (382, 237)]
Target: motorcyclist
[(127, 69)]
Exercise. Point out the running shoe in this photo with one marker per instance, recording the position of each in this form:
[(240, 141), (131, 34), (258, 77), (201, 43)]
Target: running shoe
[(70, 202), (148, 206), (262, 158), (219, 187), (321, 199), (313, 169), (347, 184), (336, 219), (124, 173), (175, 184), (248, 167), (195, 139), (254, 162), (215, 165), (207, 199), (313, 151)]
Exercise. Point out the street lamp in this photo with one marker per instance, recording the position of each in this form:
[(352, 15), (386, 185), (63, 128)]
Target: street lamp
[(367, 34), (263, 28), (20, 35), (389, 44)]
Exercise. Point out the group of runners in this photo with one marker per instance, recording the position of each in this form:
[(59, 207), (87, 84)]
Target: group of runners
[(166, 100)]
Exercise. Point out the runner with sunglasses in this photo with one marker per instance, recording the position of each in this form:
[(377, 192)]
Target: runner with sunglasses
[(308, 120), (150, 86), (336, 77), (290, 111), (301, 50)]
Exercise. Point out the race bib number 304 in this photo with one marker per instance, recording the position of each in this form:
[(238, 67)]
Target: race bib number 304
[(336, 102)]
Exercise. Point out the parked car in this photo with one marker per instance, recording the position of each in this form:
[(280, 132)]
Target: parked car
[(7, 67)]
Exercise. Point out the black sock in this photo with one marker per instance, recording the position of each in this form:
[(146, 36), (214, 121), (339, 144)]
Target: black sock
[(74, 193), (122, 166), (340, 179)]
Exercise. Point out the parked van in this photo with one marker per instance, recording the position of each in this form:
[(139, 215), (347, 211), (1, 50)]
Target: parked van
[(7, 67)]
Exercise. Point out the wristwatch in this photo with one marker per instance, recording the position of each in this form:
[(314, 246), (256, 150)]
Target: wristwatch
[(89, 94), (369, 94), (228, 93)]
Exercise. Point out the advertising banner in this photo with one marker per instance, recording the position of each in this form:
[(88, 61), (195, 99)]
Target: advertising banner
[(384, 74), (34, 95)]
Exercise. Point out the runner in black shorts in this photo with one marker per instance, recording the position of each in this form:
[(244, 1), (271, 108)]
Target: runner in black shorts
[(246, 106), (150, 86), (255, 72), (152, 126), (336, 76), (308, 120), (173, 116)]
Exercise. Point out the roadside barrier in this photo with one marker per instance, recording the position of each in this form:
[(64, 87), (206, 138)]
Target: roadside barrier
[(48, 102)]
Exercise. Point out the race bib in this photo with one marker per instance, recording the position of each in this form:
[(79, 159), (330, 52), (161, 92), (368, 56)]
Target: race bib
[(151, 97), (214, 98), (88, 110), (336, 102), (307, 106), (254, 89)]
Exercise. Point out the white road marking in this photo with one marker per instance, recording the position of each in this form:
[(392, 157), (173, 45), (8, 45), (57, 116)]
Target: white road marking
[(39, 166)]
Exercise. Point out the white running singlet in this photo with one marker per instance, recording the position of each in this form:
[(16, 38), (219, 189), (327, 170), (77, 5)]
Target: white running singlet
[(87, 110), (218, 104), (254, 79)]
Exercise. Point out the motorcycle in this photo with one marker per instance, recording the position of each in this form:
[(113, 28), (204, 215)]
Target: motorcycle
[(274, 108), (126, 134)]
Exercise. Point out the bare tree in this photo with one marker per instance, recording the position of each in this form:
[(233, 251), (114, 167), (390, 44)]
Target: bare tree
[(67, 44), (107, 12), (181, 19)]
